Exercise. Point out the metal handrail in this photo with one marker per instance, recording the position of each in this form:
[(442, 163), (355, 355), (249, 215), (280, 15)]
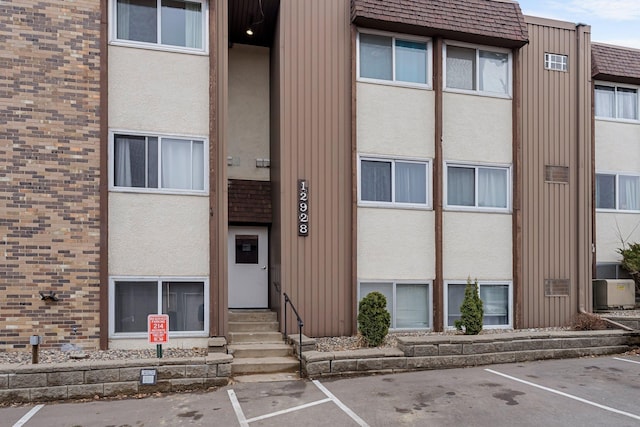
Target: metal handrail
[(287, 300)]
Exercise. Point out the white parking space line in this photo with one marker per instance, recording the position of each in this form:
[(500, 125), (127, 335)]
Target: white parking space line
[(579, 399), (626, 360), (22, 421), (286, 411), (238, 410), (341, 405)]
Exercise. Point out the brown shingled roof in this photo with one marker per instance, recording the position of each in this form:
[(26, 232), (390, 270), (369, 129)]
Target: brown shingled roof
[(615, 63), (249, 201), (492, 22)]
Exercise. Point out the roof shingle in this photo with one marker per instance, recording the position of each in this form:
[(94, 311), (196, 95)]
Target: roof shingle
[(497, 21), (615, 63)]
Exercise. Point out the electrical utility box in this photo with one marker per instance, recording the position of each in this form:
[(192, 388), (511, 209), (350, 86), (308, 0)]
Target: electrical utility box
[(614, 293)]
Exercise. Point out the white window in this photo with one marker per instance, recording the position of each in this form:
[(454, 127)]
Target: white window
[(478, 187), (132, 299), (393, 181), (496, 302), (553, 61), (175, 23), (162, 163), (409, 304), (617, 192), (616, 102), (486, 71), (394, 59)]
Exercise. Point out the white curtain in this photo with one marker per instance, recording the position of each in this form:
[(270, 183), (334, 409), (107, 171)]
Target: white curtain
[(412, 306), (411, 61), (627, 100), (495, 301), (455, 296), (629, 193), (460, 186), (122, 175), (375, 181), (197, 166), (461, 65), (604, 101), (124, 15), (605, 191), (411, 183), (494, 72), (176, 163), (492, 188), (193, 25), (375, 57)]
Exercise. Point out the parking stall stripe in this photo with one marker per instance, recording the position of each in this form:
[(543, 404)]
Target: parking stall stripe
[(341, 405), (286, 411), (238, 410), (579, 399), (22, 421), (626, 360)]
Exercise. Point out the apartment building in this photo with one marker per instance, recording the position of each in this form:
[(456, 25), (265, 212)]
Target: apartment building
[(191, 157)]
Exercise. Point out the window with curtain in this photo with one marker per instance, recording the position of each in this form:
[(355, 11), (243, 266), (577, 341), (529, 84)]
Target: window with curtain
[(616, 102), (496, 302), (478, 70), (408, 304), (183, 300), (158, 162), (478, 187), (618, 192), (394, 181), (390, 58), (162, 22)]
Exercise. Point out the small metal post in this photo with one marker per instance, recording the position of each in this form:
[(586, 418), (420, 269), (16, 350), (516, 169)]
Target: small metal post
[(159, 351), (34, 354)]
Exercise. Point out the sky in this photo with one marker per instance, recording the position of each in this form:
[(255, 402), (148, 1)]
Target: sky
[(612, 21)]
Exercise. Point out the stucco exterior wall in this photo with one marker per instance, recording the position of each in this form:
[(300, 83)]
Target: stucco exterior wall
[(157, 91), (395, 120), (616, 151), (477, 245), (248, 111), (396, 244), (477, 128), (158, 235)]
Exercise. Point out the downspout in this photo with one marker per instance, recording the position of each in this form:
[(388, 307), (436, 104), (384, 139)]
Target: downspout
[(581, 194)]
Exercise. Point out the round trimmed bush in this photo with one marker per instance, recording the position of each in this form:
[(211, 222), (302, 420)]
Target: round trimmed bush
[(373, 318)]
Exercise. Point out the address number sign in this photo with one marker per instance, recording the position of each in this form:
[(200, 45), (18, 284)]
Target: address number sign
[(303, 208)]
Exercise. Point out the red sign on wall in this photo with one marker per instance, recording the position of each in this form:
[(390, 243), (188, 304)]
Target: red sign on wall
[(158, 328)]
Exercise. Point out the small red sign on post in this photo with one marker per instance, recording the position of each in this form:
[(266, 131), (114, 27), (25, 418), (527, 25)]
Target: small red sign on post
[(158, 328)]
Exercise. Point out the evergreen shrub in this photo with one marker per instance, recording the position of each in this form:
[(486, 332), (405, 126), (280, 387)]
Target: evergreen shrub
[(471, 310), (373, 318)]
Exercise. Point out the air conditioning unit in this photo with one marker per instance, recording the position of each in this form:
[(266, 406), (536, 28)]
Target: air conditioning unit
[(614, 293)]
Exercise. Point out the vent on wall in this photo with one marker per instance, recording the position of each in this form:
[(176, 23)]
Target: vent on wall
[(556, 174), (556, 287)]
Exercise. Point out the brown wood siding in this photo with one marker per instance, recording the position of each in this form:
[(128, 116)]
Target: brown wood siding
[(313, 103), (219, 100), (556, 217)]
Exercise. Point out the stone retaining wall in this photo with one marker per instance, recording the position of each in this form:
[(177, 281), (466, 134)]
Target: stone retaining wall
[(455, 351), (86, 379)]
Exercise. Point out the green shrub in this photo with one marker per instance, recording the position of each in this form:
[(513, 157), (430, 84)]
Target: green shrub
[(373, 318), (471, 310), (631, 261)]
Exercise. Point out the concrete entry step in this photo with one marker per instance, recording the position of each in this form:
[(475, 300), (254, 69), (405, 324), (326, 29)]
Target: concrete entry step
[(267, 378), (254, 326), (259, 315), (264, 365), (255, 337), (260, 350)]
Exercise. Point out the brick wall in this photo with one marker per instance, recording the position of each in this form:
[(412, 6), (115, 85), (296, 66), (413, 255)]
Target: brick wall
[(49, 171)]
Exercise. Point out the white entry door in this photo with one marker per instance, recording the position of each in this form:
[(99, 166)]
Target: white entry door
[(248, 275)]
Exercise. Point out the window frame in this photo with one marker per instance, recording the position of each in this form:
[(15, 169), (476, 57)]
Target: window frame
[(393, 160), (476, 167), (394, 284), (159, 190), (480, 284), (393, 81), (616, 196), (114, 40), (477, 48), (551, 59), (159, 280), (615, 87)]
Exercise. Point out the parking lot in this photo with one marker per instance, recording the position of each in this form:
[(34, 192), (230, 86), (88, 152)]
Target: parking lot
[(589, 391)]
